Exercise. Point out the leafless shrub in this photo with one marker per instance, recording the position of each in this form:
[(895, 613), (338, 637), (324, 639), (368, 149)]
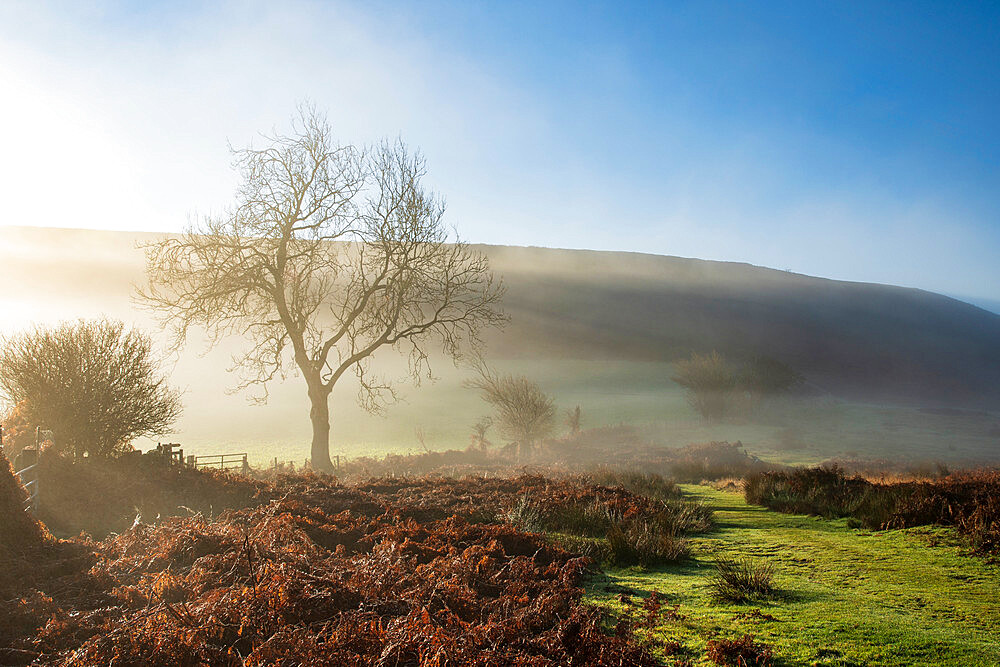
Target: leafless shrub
[(525, 413), (96, 384)]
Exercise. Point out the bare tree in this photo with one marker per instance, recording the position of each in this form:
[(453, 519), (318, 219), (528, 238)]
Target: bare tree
[(525, 413), (95, 384), (329, 254)]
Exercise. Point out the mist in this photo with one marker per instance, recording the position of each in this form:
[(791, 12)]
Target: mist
[(596, 330)]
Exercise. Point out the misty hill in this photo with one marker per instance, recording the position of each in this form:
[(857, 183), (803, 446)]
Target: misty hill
[(854, 340)]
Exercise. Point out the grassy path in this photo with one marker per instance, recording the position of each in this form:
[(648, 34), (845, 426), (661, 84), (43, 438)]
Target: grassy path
[(850, 597)]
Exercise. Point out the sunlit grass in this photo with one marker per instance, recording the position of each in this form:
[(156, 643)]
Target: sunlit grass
[(845, 597)]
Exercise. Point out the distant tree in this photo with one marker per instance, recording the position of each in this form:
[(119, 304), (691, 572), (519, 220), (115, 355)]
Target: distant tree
[(718, 389), (573, 420), (710, 382), (763, 376), (330, 254), (95, 384), (524, 412), (479, 431)]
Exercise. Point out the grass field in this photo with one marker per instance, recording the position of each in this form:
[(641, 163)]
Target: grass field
[(608, 392), (848, 597)]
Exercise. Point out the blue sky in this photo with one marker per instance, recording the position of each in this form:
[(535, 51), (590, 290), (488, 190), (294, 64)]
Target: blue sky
[(849, 140)]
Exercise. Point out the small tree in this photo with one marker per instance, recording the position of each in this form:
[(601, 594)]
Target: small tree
[(710, 382), (96, 384), (479, 431), (573, 420), (524, 412), (330, 254)]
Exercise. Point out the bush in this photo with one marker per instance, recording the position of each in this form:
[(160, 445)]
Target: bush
[(710, 382), (717, 389), (742, 580), (764, 376), (95, 384), (713, 460), (822, 491), (742, 652), (18, 430)]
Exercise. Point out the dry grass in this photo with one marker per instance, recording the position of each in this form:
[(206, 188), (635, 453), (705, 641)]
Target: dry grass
[(389, 572), (742, 580)]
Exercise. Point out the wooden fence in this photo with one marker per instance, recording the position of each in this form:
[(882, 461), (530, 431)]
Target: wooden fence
[(221, 461), (27, 461)]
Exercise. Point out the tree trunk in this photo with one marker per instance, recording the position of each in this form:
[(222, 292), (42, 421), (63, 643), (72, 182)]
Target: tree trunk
[(319, 414), (523, 451)]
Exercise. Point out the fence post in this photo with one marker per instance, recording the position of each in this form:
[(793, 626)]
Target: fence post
[(27, 461), (246, 466)]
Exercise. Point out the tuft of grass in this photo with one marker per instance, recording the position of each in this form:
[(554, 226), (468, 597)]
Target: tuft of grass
[(740, 580), (615, 528), (526, 516), (644, 543), (593, 519), (594, 549), (686, 517)]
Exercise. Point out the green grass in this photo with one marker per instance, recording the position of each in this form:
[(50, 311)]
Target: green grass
[(846, 597)]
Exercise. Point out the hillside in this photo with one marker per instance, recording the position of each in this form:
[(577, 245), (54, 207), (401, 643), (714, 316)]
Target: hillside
[(856, 340)]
